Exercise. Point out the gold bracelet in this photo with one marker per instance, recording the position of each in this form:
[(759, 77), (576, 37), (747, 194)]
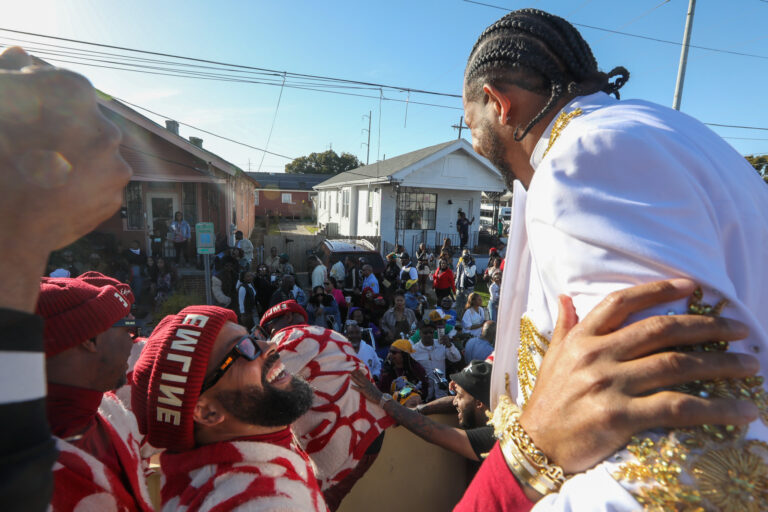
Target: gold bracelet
[(526, 462), (525, 473)]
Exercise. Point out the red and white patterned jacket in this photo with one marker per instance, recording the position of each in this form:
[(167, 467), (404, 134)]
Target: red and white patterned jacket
[(341, 424), (268, 472), (82, 482)]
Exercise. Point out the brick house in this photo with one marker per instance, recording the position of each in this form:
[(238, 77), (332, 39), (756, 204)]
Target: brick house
[(170, 174), (284, 194)]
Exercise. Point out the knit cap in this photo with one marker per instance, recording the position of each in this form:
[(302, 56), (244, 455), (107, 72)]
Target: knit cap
[(278, 310), (80, 308), (169, 374)]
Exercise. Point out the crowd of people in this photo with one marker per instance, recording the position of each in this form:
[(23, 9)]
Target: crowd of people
[(602, 396), (410, 297)]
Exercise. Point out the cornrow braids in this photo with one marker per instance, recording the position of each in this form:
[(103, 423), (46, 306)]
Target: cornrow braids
[(541, 53)]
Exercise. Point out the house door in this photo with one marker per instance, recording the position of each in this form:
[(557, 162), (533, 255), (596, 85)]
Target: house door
[(160, 209), (463, 205)]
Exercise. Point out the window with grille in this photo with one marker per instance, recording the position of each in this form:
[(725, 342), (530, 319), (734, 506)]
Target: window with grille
[(287, 198), (417, 210), (134, 205)]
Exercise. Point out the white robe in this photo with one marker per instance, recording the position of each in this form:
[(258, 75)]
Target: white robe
[(629, 193)]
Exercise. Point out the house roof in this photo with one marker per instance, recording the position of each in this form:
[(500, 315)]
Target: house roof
[(383, 171), (287, 181), (121, 109)]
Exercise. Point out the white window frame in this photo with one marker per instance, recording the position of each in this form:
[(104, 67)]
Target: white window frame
[(286, 195)]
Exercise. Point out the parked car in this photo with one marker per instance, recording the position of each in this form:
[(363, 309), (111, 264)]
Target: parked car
[(331, 251)]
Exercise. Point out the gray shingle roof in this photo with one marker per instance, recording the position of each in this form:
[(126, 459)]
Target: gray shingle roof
[(386, 167), (286, 181)]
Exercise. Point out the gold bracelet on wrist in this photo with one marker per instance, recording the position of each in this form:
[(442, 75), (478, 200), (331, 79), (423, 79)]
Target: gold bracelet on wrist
[(527, 463)]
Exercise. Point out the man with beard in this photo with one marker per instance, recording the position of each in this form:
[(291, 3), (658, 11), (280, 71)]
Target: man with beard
[(87, 343), (472, 386), (613, 193), (221, 403)]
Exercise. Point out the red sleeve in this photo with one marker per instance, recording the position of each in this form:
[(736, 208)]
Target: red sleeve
[(494, 488)]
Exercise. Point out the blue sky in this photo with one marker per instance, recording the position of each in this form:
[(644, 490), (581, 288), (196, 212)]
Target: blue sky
[(414, 44)]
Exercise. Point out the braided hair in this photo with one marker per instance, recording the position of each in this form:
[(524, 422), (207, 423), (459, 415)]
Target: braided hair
[(541, 53)]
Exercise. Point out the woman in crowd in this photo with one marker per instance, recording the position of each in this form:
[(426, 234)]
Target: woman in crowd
[(443, 280), (447, 248), (399, 363), (364, 321), (332, 289), (423, 257), (398, 319), (323, 310), (494, 266), (474, 315)]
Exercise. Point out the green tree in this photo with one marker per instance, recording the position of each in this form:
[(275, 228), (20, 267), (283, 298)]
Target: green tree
[(328, 162), (760, 163)]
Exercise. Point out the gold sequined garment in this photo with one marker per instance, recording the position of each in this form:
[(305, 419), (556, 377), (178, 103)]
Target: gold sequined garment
[(533, 346), (560, 123), (709, 467)]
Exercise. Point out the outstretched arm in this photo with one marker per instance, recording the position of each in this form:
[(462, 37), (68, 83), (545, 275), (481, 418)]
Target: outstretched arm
[(450, 438)]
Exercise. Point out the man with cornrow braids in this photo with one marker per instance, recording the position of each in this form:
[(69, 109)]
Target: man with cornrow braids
[(608, 194)]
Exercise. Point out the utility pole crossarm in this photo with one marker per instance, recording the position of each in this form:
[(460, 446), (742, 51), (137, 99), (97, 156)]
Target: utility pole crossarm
[(460, 126)]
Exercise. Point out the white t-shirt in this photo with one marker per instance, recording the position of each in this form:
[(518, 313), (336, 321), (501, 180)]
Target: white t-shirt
[(368, 355), (319, 273)]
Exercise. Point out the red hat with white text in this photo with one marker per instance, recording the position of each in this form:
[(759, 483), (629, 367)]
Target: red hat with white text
[(169, 374), (278, 310)]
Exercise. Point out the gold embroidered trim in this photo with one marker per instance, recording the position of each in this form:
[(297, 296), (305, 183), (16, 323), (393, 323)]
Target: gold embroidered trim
[(531, 342), (710, 467), (560, 123)]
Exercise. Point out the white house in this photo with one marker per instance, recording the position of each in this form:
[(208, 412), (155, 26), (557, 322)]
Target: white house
[(410, 198)]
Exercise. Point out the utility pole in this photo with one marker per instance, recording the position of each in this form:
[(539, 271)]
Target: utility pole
[(368, 144), (460, 126), (684, 56)]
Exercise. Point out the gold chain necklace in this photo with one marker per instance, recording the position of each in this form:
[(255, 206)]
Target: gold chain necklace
[(560, 123)]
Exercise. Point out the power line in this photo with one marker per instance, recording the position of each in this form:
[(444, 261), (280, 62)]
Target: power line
[(648, 38), (737, 126), (201, 130), (154, 70), (241, 66)]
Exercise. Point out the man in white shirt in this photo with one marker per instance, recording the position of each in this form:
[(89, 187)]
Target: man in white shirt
[(319, 272), (244, 244), (618, 193), (338, 272), (431, 356), (365, 352)]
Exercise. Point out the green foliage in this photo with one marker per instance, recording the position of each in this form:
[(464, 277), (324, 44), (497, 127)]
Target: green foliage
[(328, 162), (176, 302)]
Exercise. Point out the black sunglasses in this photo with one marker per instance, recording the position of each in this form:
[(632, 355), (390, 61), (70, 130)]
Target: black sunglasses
[(244, 347)]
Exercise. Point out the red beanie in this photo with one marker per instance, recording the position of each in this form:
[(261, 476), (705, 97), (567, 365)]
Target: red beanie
[(169, 374), (80, 308), (288, 306)]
